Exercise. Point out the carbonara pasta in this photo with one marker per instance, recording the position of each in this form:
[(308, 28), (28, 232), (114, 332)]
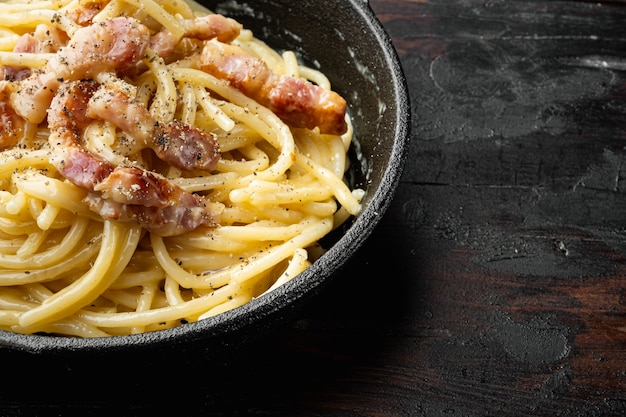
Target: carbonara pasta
[(159, 165)]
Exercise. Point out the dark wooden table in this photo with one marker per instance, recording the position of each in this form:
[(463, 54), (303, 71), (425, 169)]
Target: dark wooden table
[(501, 288)]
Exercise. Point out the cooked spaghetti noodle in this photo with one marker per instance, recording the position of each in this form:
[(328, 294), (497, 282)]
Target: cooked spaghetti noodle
[(80, 255)]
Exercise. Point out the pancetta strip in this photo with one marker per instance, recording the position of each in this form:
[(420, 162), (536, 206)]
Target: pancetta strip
[(298, 102), (182, 146)]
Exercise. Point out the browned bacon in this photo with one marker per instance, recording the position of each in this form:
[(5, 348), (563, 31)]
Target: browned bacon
[(27, 44), (185, 147), (49, 38), (68, 111), (45, 39), (298, 102), (180, 145), (118, 192), (11, 125), (134, 185), (166, 221), (38, 87), (81, 167), (130, 194), (33, 96), (113, 45), (212, 26), (119, 183), (86, 11)]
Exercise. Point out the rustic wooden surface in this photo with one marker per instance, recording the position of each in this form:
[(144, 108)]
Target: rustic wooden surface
[(500, 287)]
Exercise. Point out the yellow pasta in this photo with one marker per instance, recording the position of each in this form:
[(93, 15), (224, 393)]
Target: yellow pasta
[(67, 270)]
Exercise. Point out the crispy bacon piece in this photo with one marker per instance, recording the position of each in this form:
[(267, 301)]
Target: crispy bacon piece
[(113, 45), (27, 43), (33, 96), (130, 194), (298, 102), (81, 167), (11, 125), (211, 26), (49, 38), (86, 11), (166, 221), (180, 145), (185, 147), (68, 112), (118, 192), (45, 39)]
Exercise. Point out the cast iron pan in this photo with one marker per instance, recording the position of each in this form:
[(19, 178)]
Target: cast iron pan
[(346, 41)]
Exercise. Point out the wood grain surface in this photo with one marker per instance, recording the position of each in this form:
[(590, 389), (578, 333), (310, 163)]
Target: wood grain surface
[(496, 283)]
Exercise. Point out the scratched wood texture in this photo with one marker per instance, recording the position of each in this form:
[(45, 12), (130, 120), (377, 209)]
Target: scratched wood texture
[(496, 283)]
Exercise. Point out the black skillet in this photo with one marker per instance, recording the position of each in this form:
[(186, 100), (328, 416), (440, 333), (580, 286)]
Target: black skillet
[(346, 41)]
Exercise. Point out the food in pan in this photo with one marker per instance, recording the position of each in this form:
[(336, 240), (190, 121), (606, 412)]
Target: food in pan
[(159, 165)]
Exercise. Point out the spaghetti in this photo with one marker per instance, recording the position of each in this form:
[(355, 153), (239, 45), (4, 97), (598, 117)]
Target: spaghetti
[(155, 182)]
